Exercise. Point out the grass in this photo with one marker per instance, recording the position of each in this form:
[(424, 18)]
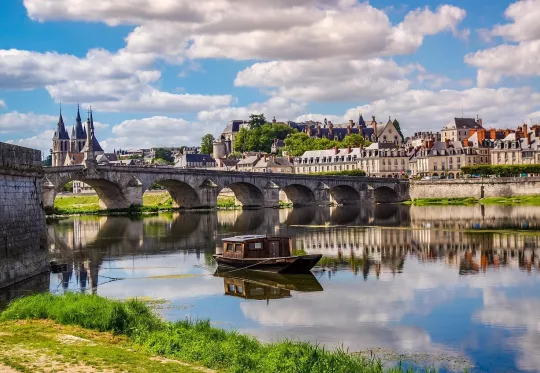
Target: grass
[(42, 345), (193, 342), (509, 201), (445, 201)]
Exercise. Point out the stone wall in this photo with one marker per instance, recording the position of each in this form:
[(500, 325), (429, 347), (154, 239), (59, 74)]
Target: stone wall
[(23, 244), (476, 188)]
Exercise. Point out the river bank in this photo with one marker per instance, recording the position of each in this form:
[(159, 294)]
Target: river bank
[(95, 332), (503, 201)]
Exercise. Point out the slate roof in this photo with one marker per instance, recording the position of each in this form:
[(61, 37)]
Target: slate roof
[(201, 158), (78, 132), (462, 123), (60, 133), (233, 126)]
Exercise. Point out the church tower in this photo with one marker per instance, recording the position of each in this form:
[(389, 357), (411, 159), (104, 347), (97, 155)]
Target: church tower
[(78, 134), (61, 143)]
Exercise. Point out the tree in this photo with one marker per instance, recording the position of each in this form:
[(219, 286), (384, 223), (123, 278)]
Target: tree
[(354, 140), (207, 144), (164, 154), (68, 187), (260, 139), (398, 128), (47, 162), (256, 121)]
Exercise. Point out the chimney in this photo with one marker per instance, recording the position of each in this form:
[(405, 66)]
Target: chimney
[(479, 121), (466, 143), (351, 122), (528, 139), (506, 132), (430, 144), (348, 129), (525, 130), (481, 136), (265, 157), (336, 150), (447, 143), (493, 134), (318, 130), (274, 120), (331, 130), (349, 150)]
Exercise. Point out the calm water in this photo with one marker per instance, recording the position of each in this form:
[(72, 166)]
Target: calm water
[(438, 284)]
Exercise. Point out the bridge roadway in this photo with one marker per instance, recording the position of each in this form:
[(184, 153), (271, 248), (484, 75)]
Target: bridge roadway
[(120, 187)]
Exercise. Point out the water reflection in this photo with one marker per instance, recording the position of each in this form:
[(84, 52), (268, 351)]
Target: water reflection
[(266, 285), (435, 280)]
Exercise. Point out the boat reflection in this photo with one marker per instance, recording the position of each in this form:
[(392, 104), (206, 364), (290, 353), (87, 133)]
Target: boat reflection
[(259, 285)]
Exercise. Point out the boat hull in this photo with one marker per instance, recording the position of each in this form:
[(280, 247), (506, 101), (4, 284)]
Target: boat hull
[(289, 264)]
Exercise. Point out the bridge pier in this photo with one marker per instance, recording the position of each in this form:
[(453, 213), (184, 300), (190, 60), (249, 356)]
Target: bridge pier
[(271, 196), (49, 194), (208, 195), (322, 195)]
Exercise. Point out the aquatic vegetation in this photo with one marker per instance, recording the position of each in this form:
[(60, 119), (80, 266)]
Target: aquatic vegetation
[(194, 342), (445, 201)]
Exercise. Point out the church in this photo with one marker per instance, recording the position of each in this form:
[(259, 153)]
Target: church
[(68, 151)]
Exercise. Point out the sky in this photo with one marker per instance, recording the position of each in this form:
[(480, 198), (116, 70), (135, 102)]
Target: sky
[(166, 72)]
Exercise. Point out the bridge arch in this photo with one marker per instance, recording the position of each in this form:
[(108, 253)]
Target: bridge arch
[(247, 194), (344, 195), (385, 194), (182, 194), (111, 194), (299, 195)]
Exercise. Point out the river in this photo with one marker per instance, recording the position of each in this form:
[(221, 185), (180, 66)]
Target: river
[(454, 286)]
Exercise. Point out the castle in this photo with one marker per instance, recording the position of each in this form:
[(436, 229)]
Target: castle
[(68, 151)]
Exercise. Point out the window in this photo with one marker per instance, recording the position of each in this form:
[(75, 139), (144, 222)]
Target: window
[(238, 247), (231, 288), (229, 247), (255, 246)]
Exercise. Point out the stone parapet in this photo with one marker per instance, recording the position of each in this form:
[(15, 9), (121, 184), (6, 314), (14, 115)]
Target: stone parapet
[(23, 246)]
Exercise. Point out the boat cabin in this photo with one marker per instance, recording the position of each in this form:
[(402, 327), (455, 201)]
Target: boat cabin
[(256, 246), (250, 290)]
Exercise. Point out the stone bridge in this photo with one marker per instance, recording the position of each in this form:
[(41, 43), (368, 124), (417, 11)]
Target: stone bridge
[(120, 187)]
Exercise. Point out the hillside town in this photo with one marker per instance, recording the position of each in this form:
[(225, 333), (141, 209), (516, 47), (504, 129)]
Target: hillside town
[(429, 155)]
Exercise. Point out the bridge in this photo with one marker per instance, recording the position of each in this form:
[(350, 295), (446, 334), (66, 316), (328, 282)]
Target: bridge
[(120, 187)]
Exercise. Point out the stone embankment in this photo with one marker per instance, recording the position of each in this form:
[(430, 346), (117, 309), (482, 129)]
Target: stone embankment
[(476, 188), (23, 243)]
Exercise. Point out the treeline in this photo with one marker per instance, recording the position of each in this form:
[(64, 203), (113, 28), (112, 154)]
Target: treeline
[(299, 142), (502, 170)]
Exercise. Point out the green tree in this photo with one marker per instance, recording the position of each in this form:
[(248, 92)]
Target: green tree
[(68, 187), (256, 121), (207, 144), (398, 128), (354, 140), (164, 154), (47, 162), (161, 162)]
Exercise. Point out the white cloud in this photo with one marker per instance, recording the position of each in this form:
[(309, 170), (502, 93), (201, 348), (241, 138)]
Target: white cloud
[(42, 142), (505, 60), (109, 82), (2, 104), (525, 27), (420, 110), (158, 131), (511, 59), (327, 79), (279, 107), (299, 29), (24, 122)]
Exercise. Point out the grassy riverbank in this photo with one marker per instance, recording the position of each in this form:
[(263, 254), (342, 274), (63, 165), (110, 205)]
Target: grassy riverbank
[(513, 201), (122, 333)]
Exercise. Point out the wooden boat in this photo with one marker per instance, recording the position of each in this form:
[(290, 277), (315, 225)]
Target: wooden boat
[(264, 253)]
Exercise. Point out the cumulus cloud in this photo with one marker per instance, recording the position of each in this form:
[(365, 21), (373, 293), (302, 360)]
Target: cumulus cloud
[(109, 82), (511, 59), (279, 107), (426, 110), (505, 60), (42, 141), (2, 104), (24, 122), (158, 131), (299, 29), (327, 79)]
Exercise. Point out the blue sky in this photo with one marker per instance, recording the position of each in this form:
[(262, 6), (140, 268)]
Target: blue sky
[(164, 73)]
